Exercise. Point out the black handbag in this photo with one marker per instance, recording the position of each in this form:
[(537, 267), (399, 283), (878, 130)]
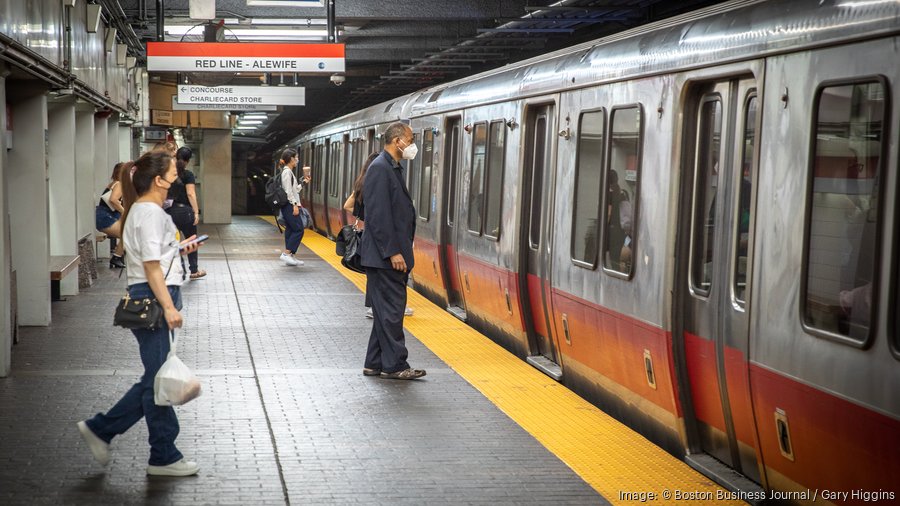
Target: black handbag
[(351, 258), (340, 243), (139, 314), (144, 313)]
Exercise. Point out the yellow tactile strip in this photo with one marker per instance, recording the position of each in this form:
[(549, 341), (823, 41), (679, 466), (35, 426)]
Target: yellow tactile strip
[(619, 463)]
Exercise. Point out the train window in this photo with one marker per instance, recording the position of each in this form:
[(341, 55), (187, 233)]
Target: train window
[(494, 179), (425, 177), (624, 152), (476, 184), (334, 169), (452, 154), (588, 173), (537, 183), (413, 174), (839, 279), (742, 237), (319, 169), (709, 138)]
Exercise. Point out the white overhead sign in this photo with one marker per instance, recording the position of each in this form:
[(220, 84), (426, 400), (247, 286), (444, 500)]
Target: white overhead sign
[(176, 106), (189, 94)]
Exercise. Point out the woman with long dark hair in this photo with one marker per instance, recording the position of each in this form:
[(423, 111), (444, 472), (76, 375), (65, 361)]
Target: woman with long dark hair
[(154, 270), (184, 210), (108, 213), (355, 203), (290, 212)]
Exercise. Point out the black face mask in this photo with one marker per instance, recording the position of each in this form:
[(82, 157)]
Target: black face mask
[(173, 182)]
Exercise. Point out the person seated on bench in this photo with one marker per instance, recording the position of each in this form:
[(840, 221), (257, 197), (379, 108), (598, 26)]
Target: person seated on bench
[(109, 210)]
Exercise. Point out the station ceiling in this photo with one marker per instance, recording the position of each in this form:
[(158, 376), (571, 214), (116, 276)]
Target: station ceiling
[(395, 47)]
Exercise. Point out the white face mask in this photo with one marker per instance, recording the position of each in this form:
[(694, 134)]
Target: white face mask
[(409, 152)]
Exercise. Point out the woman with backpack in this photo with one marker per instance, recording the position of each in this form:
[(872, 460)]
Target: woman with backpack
[(290, 211)]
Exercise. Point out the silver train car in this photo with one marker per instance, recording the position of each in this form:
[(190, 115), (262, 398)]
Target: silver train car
[(691, 224)]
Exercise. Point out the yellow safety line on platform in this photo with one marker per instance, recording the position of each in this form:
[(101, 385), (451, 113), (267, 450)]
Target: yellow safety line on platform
[(609, 456)]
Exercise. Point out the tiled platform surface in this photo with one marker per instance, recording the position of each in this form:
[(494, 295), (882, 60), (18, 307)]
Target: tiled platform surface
[(285, 417)]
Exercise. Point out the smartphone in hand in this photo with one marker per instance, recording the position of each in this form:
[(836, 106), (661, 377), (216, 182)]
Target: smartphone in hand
[(198, 239)]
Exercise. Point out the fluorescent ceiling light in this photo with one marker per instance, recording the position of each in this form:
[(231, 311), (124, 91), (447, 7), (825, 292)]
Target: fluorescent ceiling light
[(248, 38), (245, 128), (289, 22), (252, 32), (229, 22), (255, 116), (286, 3), (250, 121)]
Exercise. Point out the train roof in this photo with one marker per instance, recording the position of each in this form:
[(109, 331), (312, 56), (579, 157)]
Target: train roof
[(733, 31)]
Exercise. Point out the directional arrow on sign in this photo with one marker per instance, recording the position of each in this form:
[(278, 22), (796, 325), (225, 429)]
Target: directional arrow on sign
[(242, 95)]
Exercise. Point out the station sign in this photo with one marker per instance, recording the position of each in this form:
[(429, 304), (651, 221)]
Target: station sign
[(160, 117), (189, 94), (177, 106), (244, 57)]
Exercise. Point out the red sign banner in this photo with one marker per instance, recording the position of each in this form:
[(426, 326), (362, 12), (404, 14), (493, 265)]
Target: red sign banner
[(244, 57)]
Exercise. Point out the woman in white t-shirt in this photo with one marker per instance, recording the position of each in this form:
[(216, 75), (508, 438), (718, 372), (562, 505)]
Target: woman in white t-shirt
[(154, 269), (290, 212)]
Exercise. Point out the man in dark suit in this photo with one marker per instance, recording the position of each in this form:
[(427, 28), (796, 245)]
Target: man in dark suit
[(387, 254)]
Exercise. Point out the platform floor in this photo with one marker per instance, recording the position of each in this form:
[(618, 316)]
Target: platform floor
[(286, 416)]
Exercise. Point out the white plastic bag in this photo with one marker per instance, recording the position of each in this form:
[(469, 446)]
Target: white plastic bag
[(174, 384)]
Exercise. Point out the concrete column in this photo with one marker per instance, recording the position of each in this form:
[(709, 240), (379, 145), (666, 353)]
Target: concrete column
[(28, 201), (215, 176), (125, 151), (84, 169), (102, 169), (6, 330), (63, 201), (112, 129)]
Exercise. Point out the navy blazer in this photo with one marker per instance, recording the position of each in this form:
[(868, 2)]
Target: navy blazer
[(390, 215)]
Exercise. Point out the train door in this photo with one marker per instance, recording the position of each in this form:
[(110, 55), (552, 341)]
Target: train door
[(534, 250), (449, 262), (347, 176), (715, 273), (327, 181), (333, 202)]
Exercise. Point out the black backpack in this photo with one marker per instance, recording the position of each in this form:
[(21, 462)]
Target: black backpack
[(276, 197)]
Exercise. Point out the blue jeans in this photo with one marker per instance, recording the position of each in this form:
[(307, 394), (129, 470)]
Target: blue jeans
[(137, 403), (293, 228)]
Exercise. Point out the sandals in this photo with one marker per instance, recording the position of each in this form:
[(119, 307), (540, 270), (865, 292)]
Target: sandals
[(407, 374), (197, 275)]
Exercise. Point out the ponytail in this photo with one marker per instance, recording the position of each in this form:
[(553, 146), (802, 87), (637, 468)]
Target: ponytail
[(286, 156), (146, 169)]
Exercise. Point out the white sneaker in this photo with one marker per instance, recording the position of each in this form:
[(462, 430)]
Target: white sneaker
[(99, 448), (298, 263), (288, 259), (408, 312), (180, 468), (369, 314)]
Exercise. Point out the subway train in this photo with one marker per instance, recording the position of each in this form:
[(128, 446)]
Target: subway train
[(692, 224)]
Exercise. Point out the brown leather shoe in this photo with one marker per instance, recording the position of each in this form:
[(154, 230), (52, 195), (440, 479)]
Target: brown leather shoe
[(371, 372), (408, 374)]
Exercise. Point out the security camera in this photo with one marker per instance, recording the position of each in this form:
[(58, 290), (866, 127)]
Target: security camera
[(337, 79)]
